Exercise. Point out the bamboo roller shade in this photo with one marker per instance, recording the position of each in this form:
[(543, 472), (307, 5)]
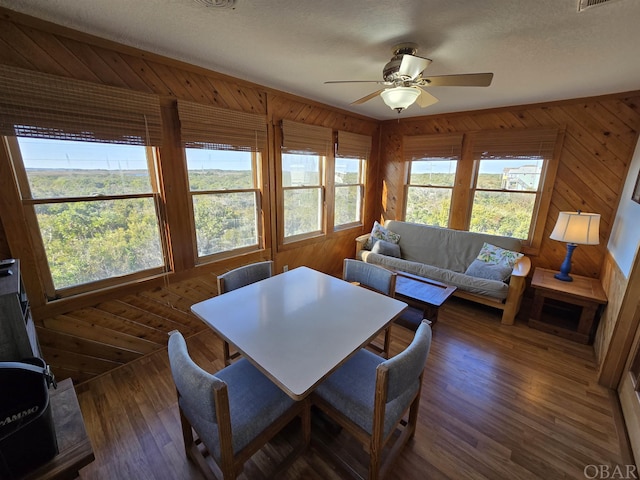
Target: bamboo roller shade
[(442, 146), (303, 138), (40, 105), (204, 126), (353, 145)]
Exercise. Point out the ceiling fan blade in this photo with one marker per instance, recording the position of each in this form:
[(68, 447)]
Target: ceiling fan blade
[(412, 66), (367, 98), (463, 80), (425, 99), (381, 82)]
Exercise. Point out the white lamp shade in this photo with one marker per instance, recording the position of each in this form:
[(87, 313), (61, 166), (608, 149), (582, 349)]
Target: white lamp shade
[(577, 227), (400, 97)]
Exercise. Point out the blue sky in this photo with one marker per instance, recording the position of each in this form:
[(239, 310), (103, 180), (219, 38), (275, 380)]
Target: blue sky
[(44, 153), (488, 166), (64, 154)]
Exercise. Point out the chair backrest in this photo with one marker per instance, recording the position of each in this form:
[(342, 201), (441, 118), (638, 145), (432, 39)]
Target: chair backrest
[(404, 370), (196, 387), (369, 275), (243, 276)]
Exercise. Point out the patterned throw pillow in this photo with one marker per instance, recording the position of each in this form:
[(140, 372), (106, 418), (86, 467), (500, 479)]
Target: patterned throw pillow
[(498, 256), (493, 263), (380, 233)]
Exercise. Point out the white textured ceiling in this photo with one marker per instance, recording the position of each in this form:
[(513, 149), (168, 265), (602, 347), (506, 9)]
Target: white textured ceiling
[(538, 50)]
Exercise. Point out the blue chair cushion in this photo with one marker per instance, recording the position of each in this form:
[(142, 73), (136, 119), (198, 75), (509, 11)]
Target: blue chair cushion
[(369, 275), (243, 276), (254, 404), (405, 367), (351, 390)]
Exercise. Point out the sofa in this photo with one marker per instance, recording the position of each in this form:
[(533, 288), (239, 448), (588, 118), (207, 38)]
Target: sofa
[(453, 257)]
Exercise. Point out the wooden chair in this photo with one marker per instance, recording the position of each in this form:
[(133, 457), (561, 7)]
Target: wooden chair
[(373, 277), (369, 398), (234, 412), (237, 278)]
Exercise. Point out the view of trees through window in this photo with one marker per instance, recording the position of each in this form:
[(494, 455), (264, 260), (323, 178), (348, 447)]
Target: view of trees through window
[(505, 196), (429, 191), (302, 182), (95, 207), (225, 195), (349, 186)]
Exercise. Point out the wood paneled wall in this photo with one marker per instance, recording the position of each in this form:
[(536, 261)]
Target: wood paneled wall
[(91, 334), (600, 136), (614, 283)]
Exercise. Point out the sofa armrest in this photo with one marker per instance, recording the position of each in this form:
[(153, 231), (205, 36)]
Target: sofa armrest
[(517, 284), (361, 241), (522, 267)]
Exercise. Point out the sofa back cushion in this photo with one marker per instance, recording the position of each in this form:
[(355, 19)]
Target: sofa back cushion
[(442, 247)]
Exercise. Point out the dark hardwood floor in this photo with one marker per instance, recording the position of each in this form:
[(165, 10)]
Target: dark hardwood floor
[(498, 402)]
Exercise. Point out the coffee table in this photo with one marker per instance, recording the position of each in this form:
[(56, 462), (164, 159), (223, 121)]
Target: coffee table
[(422, 293)]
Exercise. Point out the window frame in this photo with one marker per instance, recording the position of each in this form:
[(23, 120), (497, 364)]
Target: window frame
[(304, 139), (46, 106), (322, 203), (408, 186), (360, 186), (536, 194), (29, 205), (418, 148), (351, 146), (466, 173), (218, 129), (256, 171), (553, 138)]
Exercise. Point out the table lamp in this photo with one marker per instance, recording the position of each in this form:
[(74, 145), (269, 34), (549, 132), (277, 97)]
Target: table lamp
[(575, 228)]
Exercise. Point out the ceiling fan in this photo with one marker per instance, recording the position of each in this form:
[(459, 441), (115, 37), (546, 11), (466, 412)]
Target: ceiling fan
[(404, 81)]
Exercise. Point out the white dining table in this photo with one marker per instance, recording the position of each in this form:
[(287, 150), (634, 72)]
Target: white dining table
[(299, 326)]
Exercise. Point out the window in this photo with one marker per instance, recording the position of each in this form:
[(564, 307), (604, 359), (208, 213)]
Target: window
[(304, 152), (432, 163), (351, 153), (223, 151), (86, 173), (509, 166), (225, 198), (95, 207)]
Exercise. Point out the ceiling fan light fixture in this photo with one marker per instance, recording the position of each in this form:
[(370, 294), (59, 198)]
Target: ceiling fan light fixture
[(399, 98)]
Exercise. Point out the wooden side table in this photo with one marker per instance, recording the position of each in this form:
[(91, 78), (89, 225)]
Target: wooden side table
[(567, 309), (74, 446)]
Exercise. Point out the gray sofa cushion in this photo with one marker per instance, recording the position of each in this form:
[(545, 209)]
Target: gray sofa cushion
[(444, 248), (480, 286)]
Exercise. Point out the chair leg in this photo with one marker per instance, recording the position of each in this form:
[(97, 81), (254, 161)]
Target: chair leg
[(387, 342), (413, 417), (187, 434), (227, 356), (305, 417), (192, 451), (374, 460)]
